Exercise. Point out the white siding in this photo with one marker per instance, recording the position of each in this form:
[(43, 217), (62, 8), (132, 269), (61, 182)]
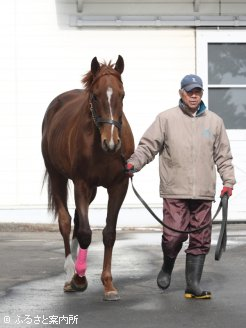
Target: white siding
[(40, 60)]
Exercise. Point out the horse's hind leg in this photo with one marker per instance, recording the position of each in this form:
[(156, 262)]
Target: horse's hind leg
[(58, 193), (116, 197)]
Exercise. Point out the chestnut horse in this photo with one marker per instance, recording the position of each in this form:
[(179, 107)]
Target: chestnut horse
[(86, 138)]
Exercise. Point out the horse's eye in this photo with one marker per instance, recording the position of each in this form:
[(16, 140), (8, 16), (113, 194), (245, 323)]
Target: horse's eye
[(122, 96), (94, 97)]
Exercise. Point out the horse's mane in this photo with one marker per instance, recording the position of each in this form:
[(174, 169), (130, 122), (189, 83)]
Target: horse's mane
[(105, 68)]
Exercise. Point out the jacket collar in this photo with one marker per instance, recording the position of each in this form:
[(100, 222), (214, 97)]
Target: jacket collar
[(185, 109)]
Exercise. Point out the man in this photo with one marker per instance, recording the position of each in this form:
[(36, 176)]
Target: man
[(191, 142)]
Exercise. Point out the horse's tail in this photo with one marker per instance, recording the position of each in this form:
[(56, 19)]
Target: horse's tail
[(51, 205), (62, 193)]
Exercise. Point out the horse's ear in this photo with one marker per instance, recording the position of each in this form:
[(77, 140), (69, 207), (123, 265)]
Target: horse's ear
[(95, 66), (119, 65)]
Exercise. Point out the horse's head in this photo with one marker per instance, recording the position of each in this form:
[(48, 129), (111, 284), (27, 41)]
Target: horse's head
[(106, 101)]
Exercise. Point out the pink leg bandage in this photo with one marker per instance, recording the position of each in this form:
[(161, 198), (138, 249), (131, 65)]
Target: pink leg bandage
[(80, 264)]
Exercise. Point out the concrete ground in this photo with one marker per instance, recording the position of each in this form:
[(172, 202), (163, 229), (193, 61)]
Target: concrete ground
[(32, 278)]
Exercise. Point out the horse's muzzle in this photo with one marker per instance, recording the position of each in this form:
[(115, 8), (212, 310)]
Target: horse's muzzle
[(111, 146)]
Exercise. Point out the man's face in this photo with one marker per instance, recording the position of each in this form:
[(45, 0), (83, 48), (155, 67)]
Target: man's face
[(192, 98)]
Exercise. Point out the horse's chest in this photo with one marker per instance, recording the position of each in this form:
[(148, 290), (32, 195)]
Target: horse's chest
[(105, 172)]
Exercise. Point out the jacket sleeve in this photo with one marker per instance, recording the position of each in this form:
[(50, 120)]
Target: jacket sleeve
[(223, 157), (149, 145)]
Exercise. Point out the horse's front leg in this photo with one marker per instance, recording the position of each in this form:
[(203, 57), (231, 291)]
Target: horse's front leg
[(74, 244), (116, 197), (82, 233)]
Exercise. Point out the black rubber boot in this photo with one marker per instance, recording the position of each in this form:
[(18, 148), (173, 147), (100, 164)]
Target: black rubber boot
[(193, 274), (164, 276)]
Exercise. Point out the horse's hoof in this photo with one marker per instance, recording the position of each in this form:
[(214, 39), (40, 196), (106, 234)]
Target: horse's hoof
[(68, 288), (77, 284), (111, 296)]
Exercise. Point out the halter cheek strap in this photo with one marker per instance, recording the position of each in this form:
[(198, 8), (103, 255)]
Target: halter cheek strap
[(97, 120)]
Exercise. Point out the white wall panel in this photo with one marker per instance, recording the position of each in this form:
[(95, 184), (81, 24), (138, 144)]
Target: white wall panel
[(40, 60)]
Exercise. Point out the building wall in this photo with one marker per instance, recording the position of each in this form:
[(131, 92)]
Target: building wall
[(39, 59), (236, 103)]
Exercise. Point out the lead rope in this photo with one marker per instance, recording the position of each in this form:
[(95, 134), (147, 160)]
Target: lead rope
[(167, 226), (221, 244)]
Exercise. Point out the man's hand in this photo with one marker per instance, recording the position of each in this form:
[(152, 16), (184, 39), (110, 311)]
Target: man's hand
[(226, 190), (129, 170)]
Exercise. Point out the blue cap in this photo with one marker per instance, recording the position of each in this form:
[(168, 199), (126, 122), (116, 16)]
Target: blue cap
[(190, 82)]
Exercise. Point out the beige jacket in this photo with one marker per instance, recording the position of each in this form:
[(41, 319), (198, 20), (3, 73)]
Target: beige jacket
[(189, 148)]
